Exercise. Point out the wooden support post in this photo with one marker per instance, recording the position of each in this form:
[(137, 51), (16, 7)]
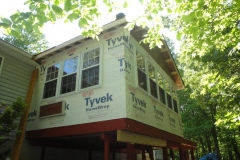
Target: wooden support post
[(106, 140), (181, 154), (22, 125), (113, 155), (143, 154), (90, 155), (187, 155), (172, 154), (150, 152), (165, 153), (42, 157), (192, 154), (130, 151)]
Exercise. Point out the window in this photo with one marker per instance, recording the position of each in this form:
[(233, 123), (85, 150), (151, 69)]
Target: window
[(90, 71), (168, 91), (152, 79), (1, 63), (69, 75), (161, 88), (175, 104), (51, 81), (142, 78)]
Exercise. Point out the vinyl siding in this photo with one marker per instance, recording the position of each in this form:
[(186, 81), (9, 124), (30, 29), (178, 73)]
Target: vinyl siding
[(14, 79)]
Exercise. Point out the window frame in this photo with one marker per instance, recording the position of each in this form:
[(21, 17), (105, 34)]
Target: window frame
[(100, 64), (78, 76), (57, 79), (144, 72), (61, 75), (150, 79), (1, 63), (168, 97)]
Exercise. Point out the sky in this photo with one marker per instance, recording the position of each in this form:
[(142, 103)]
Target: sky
[(60, 32)]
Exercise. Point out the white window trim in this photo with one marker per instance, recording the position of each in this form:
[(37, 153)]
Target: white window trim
[(100, 69), (79, 74), (164, 78), (45, 80), (61, 75), (1, 65), (136, 73)]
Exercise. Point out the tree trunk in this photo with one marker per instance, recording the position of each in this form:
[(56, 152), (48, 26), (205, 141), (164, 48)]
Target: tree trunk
[(208, 141), (215, 141), (235, 148), (230, 155), (202, 145)]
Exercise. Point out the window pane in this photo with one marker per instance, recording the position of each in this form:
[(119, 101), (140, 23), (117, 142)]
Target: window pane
[(1, 61), (153, 87), (151, 72), (68, 83), (140, 62), (175, 105), (162, 95), (90, 77), (142, 79), (50, 89), (169, 100), (70, 66), (52, 72), (91, 58)]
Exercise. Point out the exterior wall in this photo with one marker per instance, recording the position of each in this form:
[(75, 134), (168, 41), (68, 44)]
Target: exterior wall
[(82, 105), (141, 105), (118, 84), (14, 79)]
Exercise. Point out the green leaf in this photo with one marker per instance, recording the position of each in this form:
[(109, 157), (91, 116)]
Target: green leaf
[(125, 5), (14, 17), (32, 7), (179, 36), (52, 16), (24, 15), (178, 1), (82, 22), (73, 16), (200, 4), (15, 33), (57, 9), (7, 21), (43, 6), (4, 25), (56, 2), (67, 5)]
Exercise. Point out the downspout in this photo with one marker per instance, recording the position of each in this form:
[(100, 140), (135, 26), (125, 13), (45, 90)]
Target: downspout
[(22, 125)]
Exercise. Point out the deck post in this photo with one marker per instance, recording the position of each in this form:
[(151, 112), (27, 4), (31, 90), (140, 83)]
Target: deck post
[(130, 151), (106, 141), (143, 154), (42, 157), (172, 154), (192, 154), (181, 154), (165, 153)]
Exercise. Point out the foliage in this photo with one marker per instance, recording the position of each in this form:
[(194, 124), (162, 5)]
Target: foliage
[(86, 12), (10, 114), (32, 43), (208, 25)]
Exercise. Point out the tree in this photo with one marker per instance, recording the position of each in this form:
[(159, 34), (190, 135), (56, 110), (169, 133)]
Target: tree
[(208, 25), (32, 43), (7, 118)]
